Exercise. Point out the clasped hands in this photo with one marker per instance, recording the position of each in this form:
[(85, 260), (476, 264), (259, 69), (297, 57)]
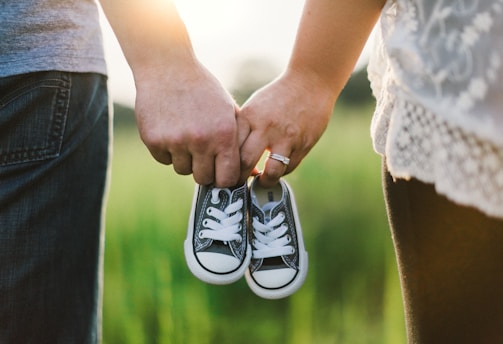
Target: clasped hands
[(187, 119)]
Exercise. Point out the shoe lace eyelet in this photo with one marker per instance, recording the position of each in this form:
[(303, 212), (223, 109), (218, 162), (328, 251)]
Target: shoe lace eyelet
[(215, 198)]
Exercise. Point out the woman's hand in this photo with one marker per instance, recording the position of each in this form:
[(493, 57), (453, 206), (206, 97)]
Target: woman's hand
[(286, 117)]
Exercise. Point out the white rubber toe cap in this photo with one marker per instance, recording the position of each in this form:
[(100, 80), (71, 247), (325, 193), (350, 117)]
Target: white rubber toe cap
[(275, 278), (217, 262)]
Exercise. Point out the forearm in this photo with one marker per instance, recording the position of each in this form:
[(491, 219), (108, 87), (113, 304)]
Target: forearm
[(150, 32), (184, 115), (330, 39)]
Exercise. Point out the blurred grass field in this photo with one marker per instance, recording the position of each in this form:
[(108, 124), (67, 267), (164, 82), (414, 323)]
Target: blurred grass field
[(351, 294)]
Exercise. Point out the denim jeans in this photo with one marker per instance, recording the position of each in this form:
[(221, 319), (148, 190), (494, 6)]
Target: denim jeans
[(54, 151)]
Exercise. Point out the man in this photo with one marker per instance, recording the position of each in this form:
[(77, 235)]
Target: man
[(54, 143)]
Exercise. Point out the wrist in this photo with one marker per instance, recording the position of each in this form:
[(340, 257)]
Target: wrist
[(171, 63), (312, 82)]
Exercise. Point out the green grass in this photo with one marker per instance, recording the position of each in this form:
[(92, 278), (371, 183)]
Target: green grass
[(351, 294)]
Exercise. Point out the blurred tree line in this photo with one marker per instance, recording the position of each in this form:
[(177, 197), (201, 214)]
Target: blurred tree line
[(254, 73)]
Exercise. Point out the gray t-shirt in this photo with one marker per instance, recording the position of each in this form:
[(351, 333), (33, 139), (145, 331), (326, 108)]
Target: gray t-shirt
[(41, 35)]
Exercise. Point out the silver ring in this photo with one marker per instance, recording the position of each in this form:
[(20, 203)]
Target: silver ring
[(280, 158)]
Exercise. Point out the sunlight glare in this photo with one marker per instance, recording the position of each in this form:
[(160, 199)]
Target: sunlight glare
[(225, 33)]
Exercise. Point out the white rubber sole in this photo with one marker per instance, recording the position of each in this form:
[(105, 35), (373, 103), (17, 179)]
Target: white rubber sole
[(199, 271)]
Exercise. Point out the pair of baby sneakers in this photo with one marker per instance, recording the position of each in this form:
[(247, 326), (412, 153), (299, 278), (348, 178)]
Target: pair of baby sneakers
[(247, 230)]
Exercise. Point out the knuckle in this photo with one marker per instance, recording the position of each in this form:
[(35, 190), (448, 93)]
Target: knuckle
[(226, 132), (292, 131), (151, 138), (220, 137), (199, 138)]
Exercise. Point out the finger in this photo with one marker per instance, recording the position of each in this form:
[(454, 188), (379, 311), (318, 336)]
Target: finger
[(251, 152), (182, 164), (227, 167), (162, 156), (203, 169), (274, 169), (243, 128), (227, 170)]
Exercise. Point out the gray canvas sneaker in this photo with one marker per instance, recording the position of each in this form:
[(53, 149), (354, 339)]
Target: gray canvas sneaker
[(279, 261), (216, 248)]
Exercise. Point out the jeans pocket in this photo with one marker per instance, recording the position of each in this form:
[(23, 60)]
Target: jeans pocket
[(33, 114)]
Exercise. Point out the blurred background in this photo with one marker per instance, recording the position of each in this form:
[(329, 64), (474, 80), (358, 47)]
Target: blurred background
[(351, 294)]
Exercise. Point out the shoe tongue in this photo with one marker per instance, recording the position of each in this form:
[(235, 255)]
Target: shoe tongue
[(267, 209)]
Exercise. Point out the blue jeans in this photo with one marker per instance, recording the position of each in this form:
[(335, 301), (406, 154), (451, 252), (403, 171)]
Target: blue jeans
[(54, 148)]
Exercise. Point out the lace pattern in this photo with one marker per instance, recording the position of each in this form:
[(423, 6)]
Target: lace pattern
[(447, 55), (436, 74), (466, 169)]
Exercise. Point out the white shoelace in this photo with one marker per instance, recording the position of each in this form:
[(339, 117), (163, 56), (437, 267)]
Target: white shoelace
[(270, 239), (226, 225)]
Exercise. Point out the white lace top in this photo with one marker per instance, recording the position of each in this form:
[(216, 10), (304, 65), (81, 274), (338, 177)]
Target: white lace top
[(437, 74)]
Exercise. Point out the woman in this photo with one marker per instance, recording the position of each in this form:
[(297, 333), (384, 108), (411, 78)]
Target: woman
[(438, 124)]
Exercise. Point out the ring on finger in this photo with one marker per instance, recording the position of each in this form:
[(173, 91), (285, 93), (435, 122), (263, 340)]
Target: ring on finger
[(281, 158)]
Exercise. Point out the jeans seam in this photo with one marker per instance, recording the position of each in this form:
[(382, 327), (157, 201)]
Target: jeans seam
[(60, 106)]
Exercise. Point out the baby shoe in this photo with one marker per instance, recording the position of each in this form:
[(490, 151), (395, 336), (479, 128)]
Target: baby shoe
[(216, 248), (279, 261)]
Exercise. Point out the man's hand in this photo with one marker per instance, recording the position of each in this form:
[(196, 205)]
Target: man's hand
[(186, 118), (184, 115)]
